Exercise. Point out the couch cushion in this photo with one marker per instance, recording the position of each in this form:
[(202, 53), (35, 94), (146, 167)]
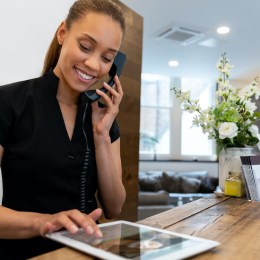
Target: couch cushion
[(171, 183), (148, 174), (193, 174), (150, 181), (176, 182), (153, 198), (190, 185)]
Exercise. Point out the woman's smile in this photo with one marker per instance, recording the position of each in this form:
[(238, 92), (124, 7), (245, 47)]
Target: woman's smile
[(83, 75)]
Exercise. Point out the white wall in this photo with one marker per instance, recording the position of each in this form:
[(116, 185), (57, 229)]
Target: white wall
[(211, 167), (27, 28)]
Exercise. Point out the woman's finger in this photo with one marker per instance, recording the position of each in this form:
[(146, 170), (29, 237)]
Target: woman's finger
[(96, 214), (118, 85), (85, 221), (114, 91), (72, 220)]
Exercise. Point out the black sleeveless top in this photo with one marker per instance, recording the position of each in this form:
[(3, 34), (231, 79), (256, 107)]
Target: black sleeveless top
[(41, 167)]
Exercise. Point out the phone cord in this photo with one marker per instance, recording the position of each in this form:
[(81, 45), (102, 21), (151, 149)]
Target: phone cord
[(83, 176)]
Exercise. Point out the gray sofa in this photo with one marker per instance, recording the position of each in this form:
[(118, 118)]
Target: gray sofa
[(162, 190)]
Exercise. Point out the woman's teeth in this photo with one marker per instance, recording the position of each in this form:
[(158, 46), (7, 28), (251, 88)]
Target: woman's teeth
[(83, 75)]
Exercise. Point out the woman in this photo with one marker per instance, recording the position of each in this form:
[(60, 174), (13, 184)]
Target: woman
[(57, 150)]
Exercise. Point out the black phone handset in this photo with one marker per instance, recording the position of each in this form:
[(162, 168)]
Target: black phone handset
[(116, 69)]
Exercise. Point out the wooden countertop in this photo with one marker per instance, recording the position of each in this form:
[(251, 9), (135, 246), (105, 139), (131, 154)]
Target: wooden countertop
[(233, 222)]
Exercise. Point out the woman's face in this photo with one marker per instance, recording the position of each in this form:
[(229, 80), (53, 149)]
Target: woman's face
[(88, 50)]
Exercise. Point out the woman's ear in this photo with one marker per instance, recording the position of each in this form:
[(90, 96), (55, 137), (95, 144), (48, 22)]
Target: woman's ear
[(61, 32)]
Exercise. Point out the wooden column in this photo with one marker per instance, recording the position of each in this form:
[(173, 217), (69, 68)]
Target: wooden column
[(129, 115)]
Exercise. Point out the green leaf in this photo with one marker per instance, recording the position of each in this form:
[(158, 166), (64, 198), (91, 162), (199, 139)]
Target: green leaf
[(257, 114), (253, 141)]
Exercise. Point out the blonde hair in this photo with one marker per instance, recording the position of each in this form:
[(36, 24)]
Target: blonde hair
[(77, 11)]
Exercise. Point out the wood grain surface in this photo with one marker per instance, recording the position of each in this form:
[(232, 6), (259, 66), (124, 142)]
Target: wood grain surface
[(233, 222)]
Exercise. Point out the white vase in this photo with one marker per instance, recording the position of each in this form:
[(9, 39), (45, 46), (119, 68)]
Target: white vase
[(229, 161)]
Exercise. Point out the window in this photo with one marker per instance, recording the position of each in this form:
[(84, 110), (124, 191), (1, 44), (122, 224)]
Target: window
[(166, 131)]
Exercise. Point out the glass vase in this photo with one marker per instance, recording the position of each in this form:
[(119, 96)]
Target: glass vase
[(229, 161)]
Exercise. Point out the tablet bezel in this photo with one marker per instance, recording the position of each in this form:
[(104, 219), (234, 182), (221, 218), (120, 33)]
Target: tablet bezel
[(205, 244)]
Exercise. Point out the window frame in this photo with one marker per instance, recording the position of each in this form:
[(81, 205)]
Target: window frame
[(175, 122)]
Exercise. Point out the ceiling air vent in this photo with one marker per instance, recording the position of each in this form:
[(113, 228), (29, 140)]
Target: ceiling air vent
[(182, 35)]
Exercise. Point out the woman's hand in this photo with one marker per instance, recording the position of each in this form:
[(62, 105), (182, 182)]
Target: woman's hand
[(102, 118), (71, 220)]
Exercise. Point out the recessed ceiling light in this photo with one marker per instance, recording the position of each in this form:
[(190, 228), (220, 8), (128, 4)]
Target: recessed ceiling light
[(173, 63), (223, 30)]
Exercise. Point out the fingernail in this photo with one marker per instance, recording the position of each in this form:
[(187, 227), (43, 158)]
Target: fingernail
[(99, 234), (90, 230), (74, 229)]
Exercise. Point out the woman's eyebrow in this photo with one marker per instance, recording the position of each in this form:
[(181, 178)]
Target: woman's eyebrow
[(94, 41)]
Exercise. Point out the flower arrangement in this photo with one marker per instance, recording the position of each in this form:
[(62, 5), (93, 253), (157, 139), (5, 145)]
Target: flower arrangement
[(231, 122)]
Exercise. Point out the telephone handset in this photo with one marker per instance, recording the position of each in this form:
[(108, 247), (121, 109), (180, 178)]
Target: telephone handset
[(116, 69)]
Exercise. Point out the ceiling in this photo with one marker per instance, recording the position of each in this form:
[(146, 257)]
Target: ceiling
[(241, 45), (28, 26)]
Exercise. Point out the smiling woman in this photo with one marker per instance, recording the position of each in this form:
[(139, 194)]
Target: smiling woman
[(59, 151)]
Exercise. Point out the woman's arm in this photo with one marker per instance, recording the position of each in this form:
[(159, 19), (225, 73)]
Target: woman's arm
[(18, 224), (111, 191)]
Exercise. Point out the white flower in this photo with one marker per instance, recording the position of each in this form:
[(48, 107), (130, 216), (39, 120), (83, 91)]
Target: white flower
[(254, 130), (248, 91), (227, 130), (250, 106), (224, 85), (242, 94), (257, 93), (184, 96), (224, 66), (233, 114)]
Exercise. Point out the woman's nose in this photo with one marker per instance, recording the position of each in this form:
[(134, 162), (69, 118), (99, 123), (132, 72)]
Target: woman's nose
[(93, 62)]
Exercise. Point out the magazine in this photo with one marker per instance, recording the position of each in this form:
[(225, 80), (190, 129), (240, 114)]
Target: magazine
[(251, 176)]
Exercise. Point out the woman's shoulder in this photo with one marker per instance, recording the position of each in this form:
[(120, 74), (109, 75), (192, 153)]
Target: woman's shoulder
[(33, 86), (18, 93), (21, 90), (17, 86)]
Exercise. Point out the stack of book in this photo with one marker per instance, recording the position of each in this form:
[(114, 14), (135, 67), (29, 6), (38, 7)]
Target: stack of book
[(251, 176)]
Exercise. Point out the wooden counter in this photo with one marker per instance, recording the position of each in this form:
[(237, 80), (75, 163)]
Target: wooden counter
[(235, 223)]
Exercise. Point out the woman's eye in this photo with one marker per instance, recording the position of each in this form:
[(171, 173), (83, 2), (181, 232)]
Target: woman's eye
[(84, 48), (107, 60)]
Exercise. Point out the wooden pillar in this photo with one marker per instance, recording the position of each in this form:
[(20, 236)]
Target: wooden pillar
[(129, 115)]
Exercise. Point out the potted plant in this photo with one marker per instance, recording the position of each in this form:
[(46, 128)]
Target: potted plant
[(230, 122)]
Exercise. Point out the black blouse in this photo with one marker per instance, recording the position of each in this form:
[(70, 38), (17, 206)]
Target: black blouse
[(41, 167)]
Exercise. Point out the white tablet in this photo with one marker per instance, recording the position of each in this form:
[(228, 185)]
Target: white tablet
[(126, 240)]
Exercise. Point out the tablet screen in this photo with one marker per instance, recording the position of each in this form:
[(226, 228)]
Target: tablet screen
[(127, 240)]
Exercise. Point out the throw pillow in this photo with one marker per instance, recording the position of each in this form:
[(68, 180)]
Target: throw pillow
[(190, 185), (150, 182), (208, 185), (171, 183)]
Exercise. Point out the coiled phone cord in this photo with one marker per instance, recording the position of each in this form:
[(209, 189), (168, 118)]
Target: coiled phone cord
[(83, 176)]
